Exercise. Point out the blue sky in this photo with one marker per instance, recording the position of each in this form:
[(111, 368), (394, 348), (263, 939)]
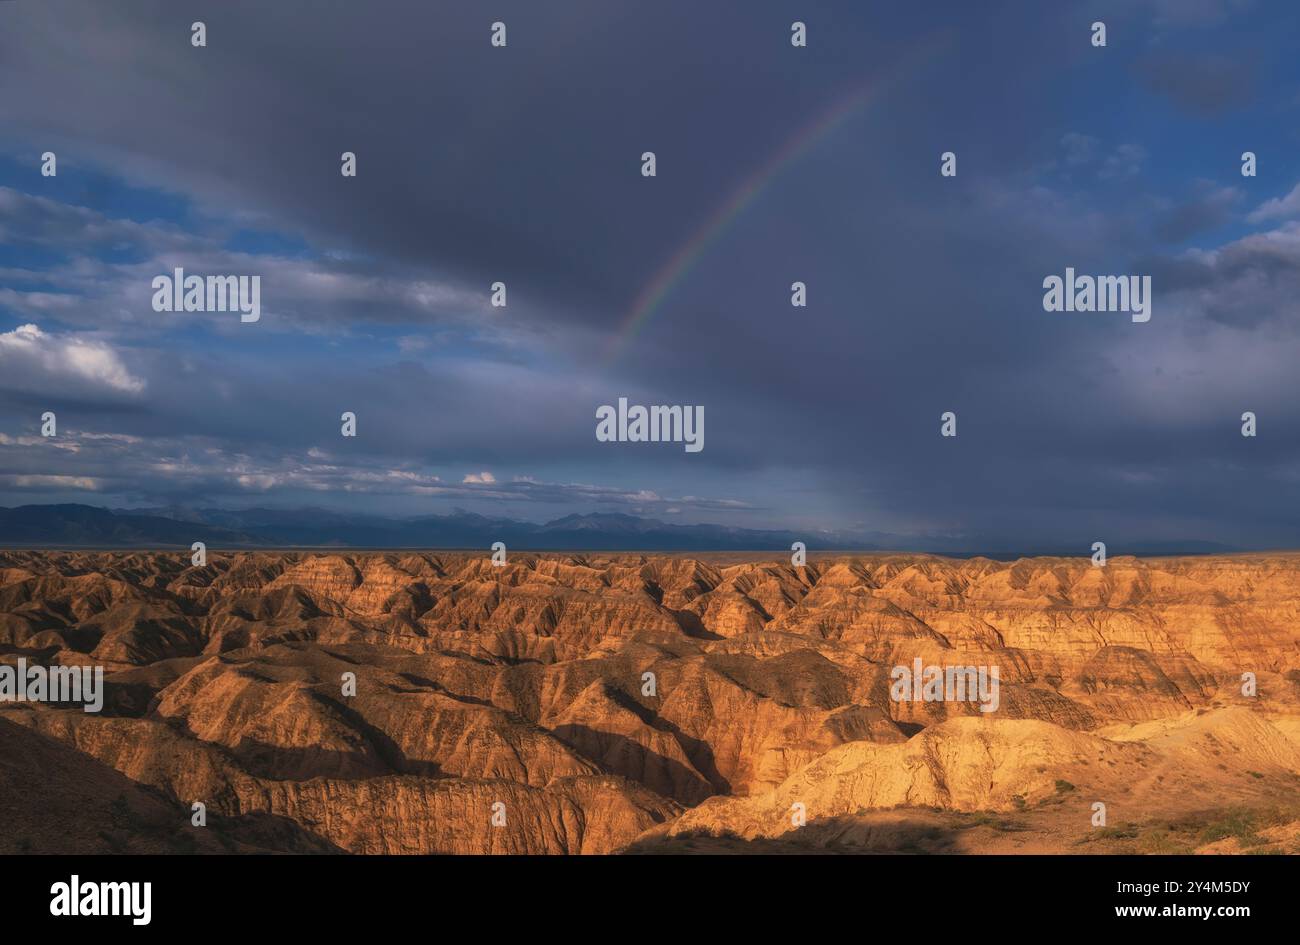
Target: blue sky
[(521, 164)]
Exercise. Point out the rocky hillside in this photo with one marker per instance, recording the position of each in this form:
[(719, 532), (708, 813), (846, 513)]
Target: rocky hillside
[(414, 702)]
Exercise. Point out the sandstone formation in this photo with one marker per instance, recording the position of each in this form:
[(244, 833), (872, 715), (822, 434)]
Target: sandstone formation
[(604, 702)]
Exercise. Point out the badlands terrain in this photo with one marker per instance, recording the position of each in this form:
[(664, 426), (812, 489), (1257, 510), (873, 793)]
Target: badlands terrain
[(606, 703)]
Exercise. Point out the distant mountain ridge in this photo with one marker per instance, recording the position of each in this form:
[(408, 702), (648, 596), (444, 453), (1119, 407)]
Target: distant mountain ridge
[(85, 526), (88, 526)]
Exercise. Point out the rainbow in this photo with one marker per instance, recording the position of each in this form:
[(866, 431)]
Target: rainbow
[(670, 275)]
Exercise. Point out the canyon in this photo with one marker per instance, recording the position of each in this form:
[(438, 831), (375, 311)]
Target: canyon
[(421, 702)]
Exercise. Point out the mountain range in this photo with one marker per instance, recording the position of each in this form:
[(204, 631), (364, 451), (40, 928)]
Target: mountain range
[(85, 526)]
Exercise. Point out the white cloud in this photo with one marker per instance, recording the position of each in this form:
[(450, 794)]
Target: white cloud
[(1279, 208), (51, 482), (167, 469), (43, 361), (1079, 149), (1124, 163)]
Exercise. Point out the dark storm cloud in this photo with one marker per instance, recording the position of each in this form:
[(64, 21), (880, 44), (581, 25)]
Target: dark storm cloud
[(327, 292), (1250, 283), (1206, 84), (1194, 13), (524, 169), (1208, 210)]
